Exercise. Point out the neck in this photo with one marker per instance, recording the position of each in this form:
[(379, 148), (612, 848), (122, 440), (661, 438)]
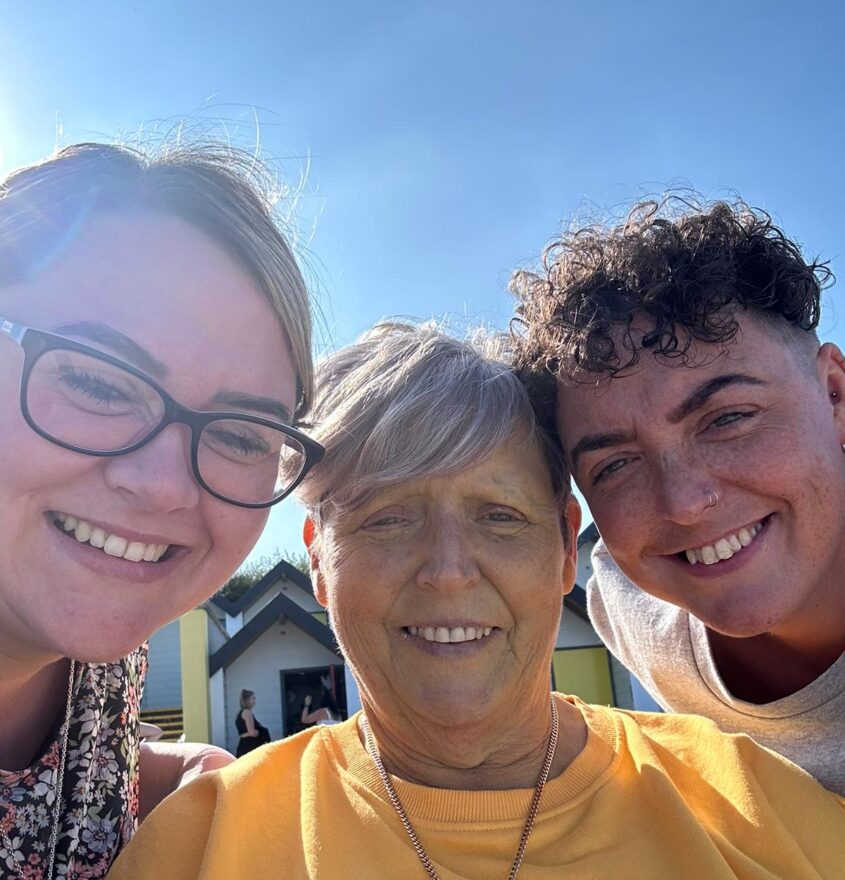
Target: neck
[(32, 698), (493, 754), (790, 657)]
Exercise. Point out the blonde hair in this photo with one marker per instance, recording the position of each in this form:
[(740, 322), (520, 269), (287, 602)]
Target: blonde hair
[(406, 402), (225, 193)]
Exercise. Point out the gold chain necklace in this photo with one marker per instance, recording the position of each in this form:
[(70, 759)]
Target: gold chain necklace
[(60, 778), (406, 822)]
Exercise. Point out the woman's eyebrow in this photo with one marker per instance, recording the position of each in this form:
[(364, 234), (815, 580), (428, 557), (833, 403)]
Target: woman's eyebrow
[(255, 402), (95, 331), (595, 442), (706, 390)]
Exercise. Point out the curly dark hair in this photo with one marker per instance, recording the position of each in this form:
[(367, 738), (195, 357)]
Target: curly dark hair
[(686, 266)]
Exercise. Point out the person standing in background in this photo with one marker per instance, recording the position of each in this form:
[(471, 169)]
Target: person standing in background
[(252, 734)]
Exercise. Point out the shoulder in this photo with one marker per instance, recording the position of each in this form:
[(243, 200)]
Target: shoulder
[(697, 741), (165, 766), (608, 584), (194, 827), (272, 771), (706, 764)]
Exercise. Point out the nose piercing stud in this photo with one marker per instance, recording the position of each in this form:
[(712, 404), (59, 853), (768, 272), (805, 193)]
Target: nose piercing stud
[(712, 499)]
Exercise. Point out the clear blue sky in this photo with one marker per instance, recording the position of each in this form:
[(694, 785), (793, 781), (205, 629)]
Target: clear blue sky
[(448, 141)]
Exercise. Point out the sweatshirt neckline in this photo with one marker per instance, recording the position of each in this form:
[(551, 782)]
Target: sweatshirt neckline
[(826, 687), (439, 806)]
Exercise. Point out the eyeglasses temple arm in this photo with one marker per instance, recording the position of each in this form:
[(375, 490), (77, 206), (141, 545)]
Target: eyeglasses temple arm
[(11, 328)]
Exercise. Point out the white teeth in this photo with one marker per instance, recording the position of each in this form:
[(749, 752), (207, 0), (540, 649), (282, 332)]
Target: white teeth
[(135, 551), (724, 548), (455, 635), (709, 555), (735, 543), (113, 545), (98, 538)]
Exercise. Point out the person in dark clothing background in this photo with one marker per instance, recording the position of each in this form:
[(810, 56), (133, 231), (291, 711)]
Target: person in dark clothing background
[(252, 733)]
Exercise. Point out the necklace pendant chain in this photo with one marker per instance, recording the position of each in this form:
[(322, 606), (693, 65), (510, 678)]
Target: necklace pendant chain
[(427, 864), (57, 802)]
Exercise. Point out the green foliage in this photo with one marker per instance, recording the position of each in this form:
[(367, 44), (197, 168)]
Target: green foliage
[(251, 572)]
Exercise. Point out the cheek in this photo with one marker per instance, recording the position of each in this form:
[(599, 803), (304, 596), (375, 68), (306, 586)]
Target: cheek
[(779, 461), (529, 579), (357, 617), (362, 588), (232, 533), (356, 604), (32, 467), (623, 521)]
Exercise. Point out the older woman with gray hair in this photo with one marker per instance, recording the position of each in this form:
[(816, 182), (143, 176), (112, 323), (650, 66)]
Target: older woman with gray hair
[(442, 539)]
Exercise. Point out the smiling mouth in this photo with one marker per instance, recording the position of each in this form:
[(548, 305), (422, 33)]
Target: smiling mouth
[(109, 543), (449, 635), (725, 548)]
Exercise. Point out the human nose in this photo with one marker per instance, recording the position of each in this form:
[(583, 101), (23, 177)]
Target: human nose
[(686, 490), (450, 563), (159, 476)]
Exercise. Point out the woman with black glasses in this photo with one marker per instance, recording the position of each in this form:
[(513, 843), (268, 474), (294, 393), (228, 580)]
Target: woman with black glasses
[(155, 357)]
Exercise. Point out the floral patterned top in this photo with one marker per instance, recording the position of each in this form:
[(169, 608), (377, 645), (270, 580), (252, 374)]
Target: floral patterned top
[(100, 790)]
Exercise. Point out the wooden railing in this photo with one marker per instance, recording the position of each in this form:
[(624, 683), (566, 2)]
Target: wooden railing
[(169, 720)]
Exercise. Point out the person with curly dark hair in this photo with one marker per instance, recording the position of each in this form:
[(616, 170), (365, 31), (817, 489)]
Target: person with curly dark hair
[(676, 354)]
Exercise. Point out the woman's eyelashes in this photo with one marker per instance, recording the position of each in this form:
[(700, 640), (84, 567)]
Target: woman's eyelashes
[(503, 516), (486, 514), (609, 469), (733, 418), (93, 387), (385, 520)]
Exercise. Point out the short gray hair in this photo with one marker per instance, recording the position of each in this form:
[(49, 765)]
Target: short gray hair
[(405, 402), (224, 192)]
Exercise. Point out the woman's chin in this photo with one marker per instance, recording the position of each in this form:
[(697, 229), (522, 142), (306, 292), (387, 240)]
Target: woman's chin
[(101, 654), (744, 620), (103, 645)]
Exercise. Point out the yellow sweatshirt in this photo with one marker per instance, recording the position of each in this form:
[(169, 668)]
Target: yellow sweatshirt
[(650, 796)]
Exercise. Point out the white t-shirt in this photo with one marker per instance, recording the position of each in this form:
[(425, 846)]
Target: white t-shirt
[(669, 652)]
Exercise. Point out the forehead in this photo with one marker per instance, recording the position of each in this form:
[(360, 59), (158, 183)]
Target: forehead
[(515, 472), (168, 287), (656, 385)]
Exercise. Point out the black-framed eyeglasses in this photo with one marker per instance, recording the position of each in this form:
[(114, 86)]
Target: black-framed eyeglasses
[(90, 402)]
